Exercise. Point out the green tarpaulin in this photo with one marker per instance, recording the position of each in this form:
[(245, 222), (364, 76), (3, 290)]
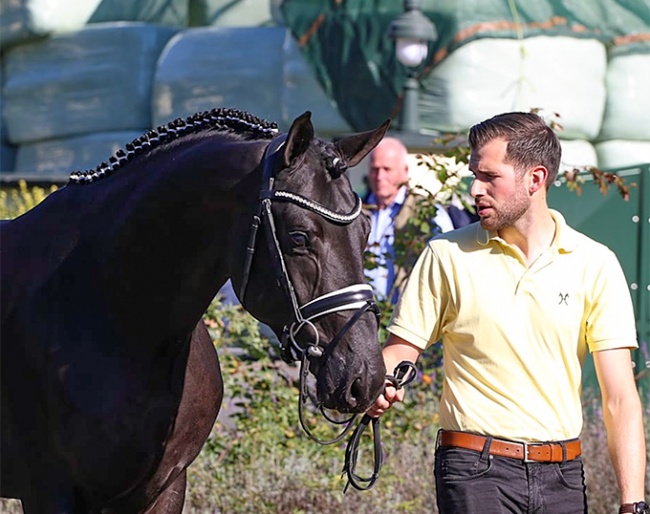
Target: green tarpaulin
[(345, 41)]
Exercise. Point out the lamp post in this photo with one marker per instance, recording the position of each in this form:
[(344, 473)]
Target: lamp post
[(411, 31)]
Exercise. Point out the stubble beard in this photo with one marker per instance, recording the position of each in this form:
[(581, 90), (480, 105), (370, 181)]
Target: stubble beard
[(508, 213)]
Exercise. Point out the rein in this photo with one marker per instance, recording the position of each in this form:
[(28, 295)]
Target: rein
[(404, 374), (358, 297)]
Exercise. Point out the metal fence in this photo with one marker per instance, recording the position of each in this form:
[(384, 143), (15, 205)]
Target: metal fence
[(624, 226)]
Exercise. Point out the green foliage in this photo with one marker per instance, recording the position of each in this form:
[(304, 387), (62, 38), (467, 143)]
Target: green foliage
[(14, 202)]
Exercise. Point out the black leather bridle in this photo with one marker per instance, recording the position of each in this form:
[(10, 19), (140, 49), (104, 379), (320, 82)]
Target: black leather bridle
[(358, 297)]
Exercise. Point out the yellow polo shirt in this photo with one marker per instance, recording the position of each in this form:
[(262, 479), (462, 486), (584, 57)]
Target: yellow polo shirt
[(514, 337)]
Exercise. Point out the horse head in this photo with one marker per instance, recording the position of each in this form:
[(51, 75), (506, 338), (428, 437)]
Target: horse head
[(312, 239)]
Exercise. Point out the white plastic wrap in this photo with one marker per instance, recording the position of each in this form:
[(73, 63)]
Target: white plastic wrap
[(95, 80), (301, 92), (627, 113), (22, 20), (26, 19), (491, 76), (205, 68), (62, 156), (618, 153), (577, 153)]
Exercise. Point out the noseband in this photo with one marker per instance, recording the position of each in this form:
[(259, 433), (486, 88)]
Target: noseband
[(358, 297)]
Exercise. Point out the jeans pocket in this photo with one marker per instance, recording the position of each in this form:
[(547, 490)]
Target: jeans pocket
[(456, 464), (570, 474)]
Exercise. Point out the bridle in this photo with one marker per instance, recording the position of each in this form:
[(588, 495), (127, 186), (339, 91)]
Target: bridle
[(358, 298)]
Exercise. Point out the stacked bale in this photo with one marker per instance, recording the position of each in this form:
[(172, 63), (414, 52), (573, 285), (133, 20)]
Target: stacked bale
[(488, 76), (70, 99), (230, 67), (84, 77), (624, 139)]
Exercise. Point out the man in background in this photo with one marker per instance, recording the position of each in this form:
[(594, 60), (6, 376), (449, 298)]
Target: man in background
[(391, 206)]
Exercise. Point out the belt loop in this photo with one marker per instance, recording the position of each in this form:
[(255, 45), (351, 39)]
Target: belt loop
[(438, 439), (564, 452), (485, 454)]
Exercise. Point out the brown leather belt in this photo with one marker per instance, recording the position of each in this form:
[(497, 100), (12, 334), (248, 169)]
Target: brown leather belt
[(537, 452)]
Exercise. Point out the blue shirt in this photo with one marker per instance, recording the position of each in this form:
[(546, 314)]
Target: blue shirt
[(382, 239), (380, 243)]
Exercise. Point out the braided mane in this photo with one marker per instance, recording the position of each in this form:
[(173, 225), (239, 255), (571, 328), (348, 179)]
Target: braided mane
[(223, 120)]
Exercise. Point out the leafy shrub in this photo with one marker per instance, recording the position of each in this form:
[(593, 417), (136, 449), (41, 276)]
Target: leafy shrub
[(16, 201)]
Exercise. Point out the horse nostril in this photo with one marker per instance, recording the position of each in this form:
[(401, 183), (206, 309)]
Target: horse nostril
[(356, 393)]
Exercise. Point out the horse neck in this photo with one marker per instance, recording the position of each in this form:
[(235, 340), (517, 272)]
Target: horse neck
[(167, 234)]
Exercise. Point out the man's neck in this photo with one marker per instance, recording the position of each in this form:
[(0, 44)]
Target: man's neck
[(383, 203), (533, 234)]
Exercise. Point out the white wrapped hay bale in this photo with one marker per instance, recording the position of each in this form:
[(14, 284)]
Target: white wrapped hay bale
[(62, 156), (238, 13), (27, 19), (204, 68), (618, 153), (627, 113), (489, 76), (577, 153), (301, 92), (95, 80)]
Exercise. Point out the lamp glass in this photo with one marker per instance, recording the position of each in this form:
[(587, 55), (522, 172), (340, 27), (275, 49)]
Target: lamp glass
[(411, 52)]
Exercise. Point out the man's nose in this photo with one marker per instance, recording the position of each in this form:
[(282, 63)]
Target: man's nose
[(476, 189)]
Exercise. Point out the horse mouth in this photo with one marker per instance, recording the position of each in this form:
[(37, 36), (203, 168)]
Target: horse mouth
[(355, 397)]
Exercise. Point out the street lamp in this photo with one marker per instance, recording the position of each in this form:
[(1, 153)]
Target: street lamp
[(412, 32)]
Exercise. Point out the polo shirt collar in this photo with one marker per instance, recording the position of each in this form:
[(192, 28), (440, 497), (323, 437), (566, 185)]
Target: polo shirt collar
[(565, 239)]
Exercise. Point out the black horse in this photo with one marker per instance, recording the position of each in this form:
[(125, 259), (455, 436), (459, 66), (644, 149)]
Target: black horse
[(110, 382)]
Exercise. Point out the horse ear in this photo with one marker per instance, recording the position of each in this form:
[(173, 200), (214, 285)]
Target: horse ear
[(298, 139), (354, 148)]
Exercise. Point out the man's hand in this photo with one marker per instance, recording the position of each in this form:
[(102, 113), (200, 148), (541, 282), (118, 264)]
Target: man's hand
[(386, 400)]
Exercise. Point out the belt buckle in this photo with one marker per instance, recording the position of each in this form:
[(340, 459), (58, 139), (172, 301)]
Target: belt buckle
[(526, 459)]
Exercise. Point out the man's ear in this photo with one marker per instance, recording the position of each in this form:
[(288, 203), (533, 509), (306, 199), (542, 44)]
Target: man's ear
[(537, 177)]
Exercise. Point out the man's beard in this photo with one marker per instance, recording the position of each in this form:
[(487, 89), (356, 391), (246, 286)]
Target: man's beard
[(508, 213)]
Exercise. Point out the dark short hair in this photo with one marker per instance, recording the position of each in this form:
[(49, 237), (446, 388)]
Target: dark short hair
[(531, 142)]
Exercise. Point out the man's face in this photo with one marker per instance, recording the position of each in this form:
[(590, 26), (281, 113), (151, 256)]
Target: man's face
[(498, 189), (388, 172)]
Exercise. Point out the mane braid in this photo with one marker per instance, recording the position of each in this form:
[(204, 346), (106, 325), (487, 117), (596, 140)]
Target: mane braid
[(223, 120)]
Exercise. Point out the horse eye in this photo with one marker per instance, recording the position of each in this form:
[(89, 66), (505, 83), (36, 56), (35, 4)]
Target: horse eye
[(299, 239)]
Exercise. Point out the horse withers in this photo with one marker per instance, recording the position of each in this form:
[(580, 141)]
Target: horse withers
[(110, 382)]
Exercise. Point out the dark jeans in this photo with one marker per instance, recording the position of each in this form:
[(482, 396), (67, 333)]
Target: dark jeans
[(470, 482)]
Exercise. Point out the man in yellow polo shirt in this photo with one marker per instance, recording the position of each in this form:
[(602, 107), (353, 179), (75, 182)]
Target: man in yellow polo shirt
[(517, 300)]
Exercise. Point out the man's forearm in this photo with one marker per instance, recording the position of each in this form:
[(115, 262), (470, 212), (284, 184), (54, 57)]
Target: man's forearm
[(397, 350), (627, 448)]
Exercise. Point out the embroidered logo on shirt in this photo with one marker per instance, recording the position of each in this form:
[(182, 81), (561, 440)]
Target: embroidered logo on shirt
[(564, 299)]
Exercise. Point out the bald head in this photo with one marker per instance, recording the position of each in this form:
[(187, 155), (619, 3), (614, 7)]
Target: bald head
[(388, 170)]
